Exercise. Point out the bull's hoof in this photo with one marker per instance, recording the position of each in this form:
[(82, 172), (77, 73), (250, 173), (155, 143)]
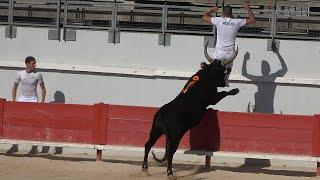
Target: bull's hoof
[(234, 91), (171, 177), (145, 169), (145, 172)]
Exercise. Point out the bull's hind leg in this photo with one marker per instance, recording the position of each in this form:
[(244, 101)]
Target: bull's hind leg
[(174, 146), (155, 134)]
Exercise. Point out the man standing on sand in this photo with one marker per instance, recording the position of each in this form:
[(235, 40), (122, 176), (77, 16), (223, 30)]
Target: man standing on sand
[(29, 79)]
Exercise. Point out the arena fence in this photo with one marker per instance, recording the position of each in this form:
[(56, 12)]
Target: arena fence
[(251, 135)]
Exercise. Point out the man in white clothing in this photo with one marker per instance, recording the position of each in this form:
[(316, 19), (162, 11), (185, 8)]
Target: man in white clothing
[(29, 79), (227, 29)]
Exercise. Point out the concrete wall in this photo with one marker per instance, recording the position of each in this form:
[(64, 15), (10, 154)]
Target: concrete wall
[(140, 72)]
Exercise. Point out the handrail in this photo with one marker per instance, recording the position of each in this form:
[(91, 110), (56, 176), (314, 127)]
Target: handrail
[(150, 18)]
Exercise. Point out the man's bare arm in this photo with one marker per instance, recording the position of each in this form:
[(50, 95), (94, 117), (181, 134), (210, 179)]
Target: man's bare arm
[(14, 91), (207, 16), (252, 18), (43, 89)]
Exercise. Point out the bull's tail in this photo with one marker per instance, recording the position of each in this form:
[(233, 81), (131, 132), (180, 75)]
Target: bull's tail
[(165, 128), (165, 157)]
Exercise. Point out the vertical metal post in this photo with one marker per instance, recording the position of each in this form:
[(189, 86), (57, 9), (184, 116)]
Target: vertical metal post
[(215, 29), (114, 35), (273, 25), (10, 18), (114, 15), (274, 22), (114, 21), (208, 161), (65, 20), (58, 19), (99, 155), (164, 22)]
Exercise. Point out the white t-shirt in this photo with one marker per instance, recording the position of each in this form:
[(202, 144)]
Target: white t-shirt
[(227, 29), (29, 82)]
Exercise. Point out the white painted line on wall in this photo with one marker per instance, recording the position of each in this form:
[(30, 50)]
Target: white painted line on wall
[(160, 73)]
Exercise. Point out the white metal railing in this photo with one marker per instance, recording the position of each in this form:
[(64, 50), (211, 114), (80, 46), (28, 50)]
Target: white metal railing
[(116, 16)]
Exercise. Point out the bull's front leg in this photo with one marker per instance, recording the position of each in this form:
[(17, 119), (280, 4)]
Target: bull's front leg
[(223, 94)]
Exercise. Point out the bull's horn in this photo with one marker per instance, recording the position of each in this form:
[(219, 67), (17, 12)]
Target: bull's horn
[(206, 53), (225, 62)]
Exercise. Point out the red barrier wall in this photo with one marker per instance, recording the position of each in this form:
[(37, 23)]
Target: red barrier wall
[(254, 132), (316, 136), (102, 111), (1, 116), (206, 135), (50, 122), (131, 125)]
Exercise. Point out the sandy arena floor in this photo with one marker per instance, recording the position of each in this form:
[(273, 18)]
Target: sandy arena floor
[(81, 166)]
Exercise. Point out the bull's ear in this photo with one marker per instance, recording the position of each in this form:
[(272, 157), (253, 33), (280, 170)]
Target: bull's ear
[(203, 65), (225, 62)]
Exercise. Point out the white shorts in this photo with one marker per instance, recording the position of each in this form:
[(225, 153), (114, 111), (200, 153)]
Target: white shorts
[(225, 55), (28, 99)]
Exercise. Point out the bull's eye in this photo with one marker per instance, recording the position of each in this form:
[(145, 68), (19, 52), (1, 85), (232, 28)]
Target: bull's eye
[(227, 71)]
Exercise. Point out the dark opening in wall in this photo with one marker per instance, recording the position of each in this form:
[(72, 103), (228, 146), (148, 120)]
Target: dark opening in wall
[(314, 9)]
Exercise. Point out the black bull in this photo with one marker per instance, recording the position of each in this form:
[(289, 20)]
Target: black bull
[(186, 110)]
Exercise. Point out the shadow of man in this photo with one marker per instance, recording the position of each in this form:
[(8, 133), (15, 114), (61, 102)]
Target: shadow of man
[(264, 97), (58, 98)]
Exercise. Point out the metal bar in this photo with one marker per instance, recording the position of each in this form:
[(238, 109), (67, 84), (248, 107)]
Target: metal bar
[(298, 12), (87, 27), (273, 25), (146, 5), (35, 2), (58, 19), (140, 30), (164, 22), (253, 35), (298, 37), (65, 20), (187, 32), (114, 14), (114, 20), (10, 18), (87, 3), (214, 29), (34, 25)]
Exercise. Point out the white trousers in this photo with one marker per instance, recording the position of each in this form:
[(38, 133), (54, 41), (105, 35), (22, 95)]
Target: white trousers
[(28, 99), (225, 55)]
